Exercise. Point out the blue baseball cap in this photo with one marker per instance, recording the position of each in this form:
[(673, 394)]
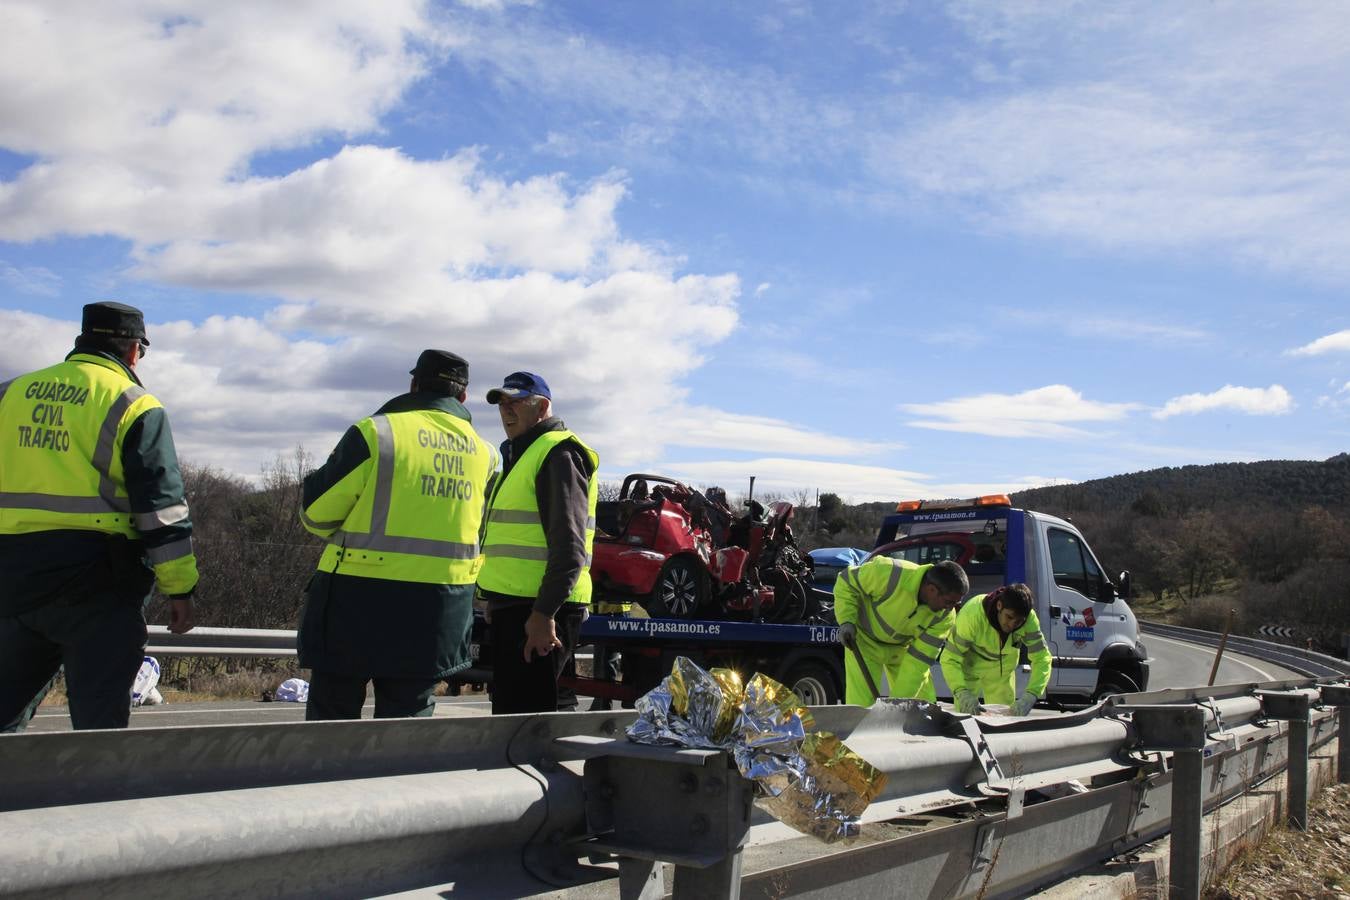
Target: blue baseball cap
[(520, 384)]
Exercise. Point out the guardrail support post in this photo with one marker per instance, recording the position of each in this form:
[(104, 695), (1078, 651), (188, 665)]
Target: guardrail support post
[(1343, 745), (1298, 774), (1338, 695), (1293, 707), (1188, 812), (1180, 729), (690, 808)]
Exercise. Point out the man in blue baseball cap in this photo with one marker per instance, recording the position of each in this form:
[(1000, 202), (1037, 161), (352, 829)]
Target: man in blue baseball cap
[(537, 549)]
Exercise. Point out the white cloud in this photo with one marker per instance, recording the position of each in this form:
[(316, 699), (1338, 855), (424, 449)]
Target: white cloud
[(162, 94), (370, 253), (1339, 398), (703, 426), (855, 483), (1210, 127), (35, 280), (1271, 401), (1332, 343), (1042, 412), (1079, 323), (1221, 129)]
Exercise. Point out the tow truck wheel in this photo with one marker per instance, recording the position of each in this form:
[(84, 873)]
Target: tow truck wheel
[(813, 684), (1110, 683), (679, 591)]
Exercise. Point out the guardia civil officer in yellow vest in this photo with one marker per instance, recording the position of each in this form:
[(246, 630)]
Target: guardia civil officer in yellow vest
[(898, 613), (400, 501), (92, 515), (537, 550), (984, 648)]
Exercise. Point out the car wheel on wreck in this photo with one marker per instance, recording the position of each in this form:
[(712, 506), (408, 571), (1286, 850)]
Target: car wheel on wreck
[(679, 591)]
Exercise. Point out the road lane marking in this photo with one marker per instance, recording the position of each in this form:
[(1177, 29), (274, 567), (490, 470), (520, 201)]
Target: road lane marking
[(1227, 658)]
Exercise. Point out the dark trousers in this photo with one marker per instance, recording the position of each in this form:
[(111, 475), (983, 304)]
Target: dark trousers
[(607, 665), (333, 696), (523, 687), (100, 640)]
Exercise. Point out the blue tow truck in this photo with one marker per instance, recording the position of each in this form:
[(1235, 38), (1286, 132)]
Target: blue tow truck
[(1084, 614)]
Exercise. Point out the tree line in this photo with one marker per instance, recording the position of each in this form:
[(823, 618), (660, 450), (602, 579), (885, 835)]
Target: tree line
[(1268, 539)]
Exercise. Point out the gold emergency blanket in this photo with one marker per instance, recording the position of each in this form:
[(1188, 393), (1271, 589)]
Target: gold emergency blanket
[(805, 778)]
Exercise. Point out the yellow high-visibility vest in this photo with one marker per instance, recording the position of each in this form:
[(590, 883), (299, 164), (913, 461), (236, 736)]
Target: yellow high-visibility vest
[(419, 501), (515, 548), (62, 430), (881, 597), (977, 659)]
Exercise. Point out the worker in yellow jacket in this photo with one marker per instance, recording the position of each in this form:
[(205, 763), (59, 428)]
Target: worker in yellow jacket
[(897, 613), (983, 651), (93, 514)]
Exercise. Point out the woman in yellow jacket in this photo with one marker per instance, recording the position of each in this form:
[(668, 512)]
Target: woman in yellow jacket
[(984, 646)]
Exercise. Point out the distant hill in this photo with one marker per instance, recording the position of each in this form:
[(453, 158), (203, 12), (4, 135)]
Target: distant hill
[(1176, 490)]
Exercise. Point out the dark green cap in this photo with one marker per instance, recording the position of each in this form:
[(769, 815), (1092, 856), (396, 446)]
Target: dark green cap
[(108, 318)]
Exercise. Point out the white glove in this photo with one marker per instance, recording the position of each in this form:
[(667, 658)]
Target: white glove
[(848, 632), (1024, 703), (967, 702)]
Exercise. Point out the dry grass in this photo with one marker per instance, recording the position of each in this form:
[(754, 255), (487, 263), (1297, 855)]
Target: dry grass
[(1297, 864), (242, 684)]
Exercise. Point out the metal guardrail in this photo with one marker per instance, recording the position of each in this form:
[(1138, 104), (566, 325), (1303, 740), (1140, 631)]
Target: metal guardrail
[(204, 641), (211, 641), (1308, 662), (562, 804)]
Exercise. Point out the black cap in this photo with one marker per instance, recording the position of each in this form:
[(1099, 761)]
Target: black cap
[(441, 364), (108, 318)]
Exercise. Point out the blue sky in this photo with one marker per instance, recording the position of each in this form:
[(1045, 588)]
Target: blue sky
[(882, 249)]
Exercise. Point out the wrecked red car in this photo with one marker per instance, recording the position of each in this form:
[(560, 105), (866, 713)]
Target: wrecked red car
[(683, 553)]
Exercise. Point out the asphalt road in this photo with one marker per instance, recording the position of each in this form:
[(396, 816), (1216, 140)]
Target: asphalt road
[(1176, 664)]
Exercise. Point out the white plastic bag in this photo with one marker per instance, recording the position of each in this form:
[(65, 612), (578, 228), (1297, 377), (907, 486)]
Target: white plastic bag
[(143, 690), (293, 690)]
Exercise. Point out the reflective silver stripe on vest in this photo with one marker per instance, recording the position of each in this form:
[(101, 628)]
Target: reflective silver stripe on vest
[(322, 526), (54, 503), (1034, 646), (892, 583), (378, 539), (930, 639), (518, 551), (418, 546), (918, 654), (170, 552), (158, 518), (985, 654), (515, 517), (107, 438), (525, 517), (384, 475)]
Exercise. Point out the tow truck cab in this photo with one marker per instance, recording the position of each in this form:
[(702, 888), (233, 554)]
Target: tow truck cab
[(1088, 624)]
